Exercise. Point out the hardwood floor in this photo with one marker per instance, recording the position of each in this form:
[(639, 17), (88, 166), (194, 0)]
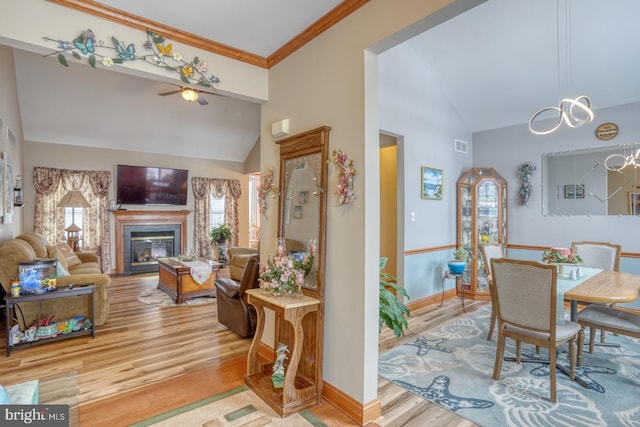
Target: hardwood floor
[(147, 360)]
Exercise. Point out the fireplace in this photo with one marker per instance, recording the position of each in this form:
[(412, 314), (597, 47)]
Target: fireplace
[(144, 244), (155, 233)]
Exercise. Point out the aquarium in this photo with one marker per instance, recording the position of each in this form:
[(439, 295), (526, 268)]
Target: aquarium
[(37, 277)]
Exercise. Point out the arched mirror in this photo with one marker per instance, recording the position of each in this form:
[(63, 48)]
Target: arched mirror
[(303, 188)]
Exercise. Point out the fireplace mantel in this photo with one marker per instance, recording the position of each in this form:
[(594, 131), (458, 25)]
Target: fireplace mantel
[(126, 217)]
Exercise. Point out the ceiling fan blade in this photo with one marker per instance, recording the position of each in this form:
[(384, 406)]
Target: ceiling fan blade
[(171, 92), (201, 99)]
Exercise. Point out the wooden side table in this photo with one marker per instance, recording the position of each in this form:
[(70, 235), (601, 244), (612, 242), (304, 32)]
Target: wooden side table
[(59, 293), (458, 277), (303, 382)]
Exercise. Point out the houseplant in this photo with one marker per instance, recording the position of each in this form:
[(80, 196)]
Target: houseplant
[(459, 261), (220, 233), (393, 313)]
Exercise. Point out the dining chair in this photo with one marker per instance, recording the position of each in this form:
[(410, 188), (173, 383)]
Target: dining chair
[(603, 255), (489, 252), (525, 299)]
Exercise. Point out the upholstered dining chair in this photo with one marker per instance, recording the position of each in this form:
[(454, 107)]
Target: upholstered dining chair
[(603, 255), (525, 299), (489, 252)]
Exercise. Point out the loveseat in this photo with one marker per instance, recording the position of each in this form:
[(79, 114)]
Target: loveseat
[(77, 269)]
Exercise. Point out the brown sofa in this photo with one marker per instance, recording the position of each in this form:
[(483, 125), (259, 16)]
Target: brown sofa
[(32, 246)]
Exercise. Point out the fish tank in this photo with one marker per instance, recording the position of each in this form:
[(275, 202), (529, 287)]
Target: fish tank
[(38, 277)]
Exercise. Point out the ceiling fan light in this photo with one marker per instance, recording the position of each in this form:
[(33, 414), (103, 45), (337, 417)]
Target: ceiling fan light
[(189, 95)]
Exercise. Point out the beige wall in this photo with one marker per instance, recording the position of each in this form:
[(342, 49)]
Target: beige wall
[(332, 81), (73, 157), (10, 116)]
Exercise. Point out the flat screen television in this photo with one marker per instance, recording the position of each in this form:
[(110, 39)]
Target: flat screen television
[(144, 185)]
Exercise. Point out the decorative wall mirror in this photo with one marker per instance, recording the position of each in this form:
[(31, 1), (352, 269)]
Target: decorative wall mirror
[(596, 181), (303, 195)]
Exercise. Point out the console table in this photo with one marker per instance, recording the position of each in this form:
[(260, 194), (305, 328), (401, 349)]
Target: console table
[(303, 377), (59, 293)]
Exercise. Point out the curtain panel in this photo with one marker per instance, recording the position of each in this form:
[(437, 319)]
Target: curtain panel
[(51, 185), (203, 188)]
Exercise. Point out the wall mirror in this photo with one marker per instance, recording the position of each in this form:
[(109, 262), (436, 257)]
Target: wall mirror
[(597, 181), (302, 211)]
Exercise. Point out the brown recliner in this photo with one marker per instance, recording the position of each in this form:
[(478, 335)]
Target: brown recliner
[(233, 310)]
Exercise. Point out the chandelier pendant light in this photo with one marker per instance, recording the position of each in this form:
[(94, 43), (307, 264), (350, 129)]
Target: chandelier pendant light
[(573, 112)]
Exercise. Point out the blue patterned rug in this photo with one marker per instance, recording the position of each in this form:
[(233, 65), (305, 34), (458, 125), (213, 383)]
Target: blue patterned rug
[(453, 367)]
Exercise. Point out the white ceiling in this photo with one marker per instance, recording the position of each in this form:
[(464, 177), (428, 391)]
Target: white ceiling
[(497, 64)]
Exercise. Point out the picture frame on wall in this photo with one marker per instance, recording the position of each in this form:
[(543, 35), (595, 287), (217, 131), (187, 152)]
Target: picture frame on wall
[(634, 203), (574, 191), (297, 211), (432, 183)]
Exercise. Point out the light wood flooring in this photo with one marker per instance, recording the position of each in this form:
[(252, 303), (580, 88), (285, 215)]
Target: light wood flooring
[(147, 360)]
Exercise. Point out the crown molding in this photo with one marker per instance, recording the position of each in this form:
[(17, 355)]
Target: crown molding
[(116, 15)]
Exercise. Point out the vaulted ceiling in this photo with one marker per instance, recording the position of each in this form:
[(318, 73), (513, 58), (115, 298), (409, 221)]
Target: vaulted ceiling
[(497, 64)]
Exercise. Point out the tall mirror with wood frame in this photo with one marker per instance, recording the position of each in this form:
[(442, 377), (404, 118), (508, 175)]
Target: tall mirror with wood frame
[(303, 195)]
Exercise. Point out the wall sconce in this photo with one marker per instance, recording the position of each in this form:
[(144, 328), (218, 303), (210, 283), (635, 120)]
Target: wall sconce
[(17, 192), (318, 187)]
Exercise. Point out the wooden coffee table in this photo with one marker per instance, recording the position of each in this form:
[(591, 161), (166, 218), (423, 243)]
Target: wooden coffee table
[(175, 279)]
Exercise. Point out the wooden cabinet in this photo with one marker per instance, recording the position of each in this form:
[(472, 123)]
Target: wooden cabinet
[(482, 219)]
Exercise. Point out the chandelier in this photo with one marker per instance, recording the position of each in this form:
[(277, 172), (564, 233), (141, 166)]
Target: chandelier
[(573, 112)]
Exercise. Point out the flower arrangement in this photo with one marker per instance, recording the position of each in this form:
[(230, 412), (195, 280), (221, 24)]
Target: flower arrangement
[(560, 256), (344, 189), (266, 185), (160, 54), (280, 277)]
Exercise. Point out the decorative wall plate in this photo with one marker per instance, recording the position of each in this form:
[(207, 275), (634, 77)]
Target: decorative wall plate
[(607, 131)]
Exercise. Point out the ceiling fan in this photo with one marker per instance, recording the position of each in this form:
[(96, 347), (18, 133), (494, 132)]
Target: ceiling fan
[(190, 94)]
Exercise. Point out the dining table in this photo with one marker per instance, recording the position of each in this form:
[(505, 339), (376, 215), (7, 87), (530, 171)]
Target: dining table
[(593, 285)]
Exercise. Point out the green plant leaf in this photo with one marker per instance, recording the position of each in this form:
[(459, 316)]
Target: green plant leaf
[(117, 60), (75, 54), (92, 61), (62, 60)]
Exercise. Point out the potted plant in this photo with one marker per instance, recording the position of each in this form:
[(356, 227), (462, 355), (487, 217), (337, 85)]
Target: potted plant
[(219, 234), (459, 261), (393, 313)]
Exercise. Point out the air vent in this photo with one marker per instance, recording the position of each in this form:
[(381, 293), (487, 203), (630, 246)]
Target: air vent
[(460, 146)]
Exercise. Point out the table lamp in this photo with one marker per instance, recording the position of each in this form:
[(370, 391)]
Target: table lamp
[(73, 199)]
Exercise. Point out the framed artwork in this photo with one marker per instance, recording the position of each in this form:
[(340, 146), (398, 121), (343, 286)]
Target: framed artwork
[(297, 211), (303, 197), (574, 191), (432, 181), (634, 203)]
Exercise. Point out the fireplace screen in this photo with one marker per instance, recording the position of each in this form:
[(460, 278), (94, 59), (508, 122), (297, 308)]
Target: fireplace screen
[(147, 247)]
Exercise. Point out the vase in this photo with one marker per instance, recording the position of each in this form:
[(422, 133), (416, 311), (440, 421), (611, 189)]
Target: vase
[(281, 247), (277, 381)]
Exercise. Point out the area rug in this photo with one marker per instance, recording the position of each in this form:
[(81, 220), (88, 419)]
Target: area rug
[(238, 407), (161, 298), (453, 367)]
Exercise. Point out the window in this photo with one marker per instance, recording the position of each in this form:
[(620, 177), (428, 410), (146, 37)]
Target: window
[(254, 209), (217, 210)]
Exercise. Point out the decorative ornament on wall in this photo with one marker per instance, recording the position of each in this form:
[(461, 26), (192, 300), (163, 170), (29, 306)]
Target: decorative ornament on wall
[(266, 186), (606, 131), (160, 54), (525, 171), (344, 190)]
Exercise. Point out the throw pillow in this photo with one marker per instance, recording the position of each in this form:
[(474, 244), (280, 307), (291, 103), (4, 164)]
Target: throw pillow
[(71, 257), (54, 252), (61, 271)]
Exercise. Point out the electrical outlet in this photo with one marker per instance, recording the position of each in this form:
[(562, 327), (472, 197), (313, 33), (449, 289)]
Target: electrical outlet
[(413, 216)]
